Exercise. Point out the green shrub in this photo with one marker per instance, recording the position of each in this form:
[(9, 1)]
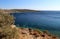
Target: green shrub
[(6, 32), (6, 19)]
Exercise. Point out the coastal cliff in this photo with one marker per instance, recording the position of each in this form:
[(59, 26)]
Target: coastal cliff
[(9, 31), (28, 33)]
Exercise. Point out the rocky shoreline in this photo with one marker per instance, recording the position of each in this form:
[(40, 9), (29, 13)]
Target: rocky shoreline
[(27, 33), (9, 31)]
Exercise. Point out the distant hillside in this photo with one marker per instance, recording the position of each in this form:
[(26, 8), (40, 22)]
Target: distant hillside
[(17, 10)]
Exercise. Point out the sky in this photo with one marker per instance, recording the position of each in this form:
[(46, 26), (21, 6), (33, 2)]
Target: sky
[(30, 4)]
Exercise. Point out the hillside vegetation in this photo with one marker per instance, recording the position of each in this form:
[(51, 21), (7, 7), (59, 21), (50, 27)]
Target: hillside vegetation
[(6, 30)]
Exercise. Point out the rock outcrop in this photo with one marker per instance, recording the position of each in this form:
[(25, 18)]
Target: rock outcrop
[(26, 33)]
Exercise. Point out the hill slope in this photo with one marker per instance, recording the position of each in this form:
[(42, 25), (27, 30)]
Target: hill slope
[(17, 10)]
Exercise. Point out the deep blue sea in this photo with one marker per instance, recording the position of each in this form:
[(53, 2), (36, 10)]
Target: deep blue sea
[(47, 20)]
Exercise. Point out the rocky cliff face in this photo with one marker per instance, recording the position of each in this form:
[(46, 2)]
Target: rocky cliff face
[(25, 33)]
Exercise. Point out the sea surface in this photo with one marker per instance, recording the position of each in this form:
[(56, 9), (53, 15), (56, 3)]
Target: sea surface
[(46, 20)]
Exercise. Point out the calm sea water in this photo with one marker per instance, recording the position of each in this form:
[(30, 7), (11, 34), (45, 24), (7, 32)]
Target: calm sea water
[(48, 20), (43, 19)]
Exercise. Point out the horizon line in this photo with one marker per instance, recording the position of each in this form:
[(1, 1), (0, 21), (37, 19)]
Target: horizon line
[(33, 9)]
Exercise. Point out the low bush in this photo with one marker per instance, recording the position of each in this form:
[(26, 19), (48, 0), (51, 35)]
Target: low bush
[(6, 32)]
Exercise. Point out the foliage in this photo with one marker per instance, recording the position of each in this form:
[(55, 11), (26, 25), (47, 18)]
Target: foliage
[(6, 31), (6, 19)]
